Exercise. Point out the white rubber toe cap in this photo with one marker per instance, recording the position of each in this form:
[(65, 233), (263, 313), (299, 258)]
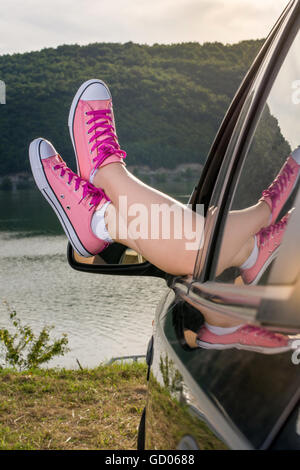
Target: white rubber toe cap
[(96, 91), (47, 150)]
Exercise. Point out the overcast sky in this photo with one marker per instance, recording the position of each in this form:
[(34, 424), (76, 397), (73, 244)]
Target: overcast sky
[(27, 25)]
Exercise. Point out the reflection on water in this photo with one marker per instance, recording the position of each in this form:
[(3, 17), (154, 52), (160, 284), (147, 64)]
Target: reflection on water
[(103, 316)]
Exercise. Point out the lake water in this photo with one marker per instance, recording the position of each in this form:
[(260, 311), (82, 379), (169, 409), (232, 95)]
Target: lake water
[(103, 316)]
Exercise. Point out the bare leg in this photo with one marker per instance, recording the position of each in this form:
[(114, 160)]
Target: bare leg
[(171, 253), (168, 249)]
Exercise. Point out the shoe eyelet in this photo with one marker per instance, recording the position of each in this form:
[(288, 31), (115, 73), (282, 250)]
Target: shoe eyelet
[(62, 196), (69, 208)]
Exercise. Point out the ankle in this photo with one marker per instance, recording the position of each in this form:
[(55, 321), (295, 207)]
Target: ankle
[(250, 255), (243, 255), (105, 174), (266, 213), (99, 223)]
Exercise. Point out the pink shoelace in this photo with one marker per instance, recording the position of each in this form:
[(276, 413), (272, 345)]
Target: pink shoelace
[(267, 233), (109, 145), (88, 190), (279, 184), (261, 332)]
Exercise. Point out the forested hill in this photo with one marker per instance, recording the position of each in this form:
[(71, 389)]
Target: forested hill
[(168, 99)]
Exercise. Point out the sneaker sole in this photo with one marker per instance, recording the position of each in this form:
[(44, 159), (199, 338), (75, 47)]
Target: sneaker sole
[(259, 349), (45, 188), (74, 104)]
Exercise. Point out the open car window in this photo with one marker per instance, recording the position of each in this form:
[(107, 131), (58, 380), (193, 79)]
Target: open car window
[(276, 138)]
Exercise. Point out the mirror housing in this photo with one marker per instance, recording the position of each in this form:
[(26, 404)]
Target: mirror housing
[(109, 263)]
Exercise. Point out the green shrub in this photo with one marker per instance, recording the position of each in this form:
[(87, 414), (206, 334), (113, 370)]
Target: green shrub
[(24, 350)]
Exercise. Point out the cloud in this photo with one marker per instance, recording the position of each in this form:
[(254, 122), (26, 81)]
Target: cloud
[(32, 25)]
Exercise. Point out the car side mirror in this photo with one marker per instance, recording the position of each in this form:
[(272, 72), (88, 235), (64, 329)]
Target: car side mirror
[(115, 259)]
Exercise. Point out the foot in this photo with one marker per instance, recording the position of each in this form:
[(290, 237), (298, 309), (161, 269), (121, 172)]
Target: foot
[(279, 191), (73, 199), (247, 337), (268, 242), (92, 129)]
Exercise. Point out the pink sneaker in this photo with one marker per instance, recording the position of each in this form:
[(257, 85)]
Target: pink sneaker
[(92, 128), (279, 191), (73, 199), (268, 241), (247, 337)]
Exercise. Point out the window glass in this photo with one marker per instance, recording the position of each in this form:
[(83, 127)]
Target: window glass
[(255, 227)]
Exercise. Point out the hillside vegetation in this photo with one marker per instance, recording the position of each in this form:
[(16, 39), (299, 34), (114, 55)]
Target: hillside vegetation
[(169, 100)]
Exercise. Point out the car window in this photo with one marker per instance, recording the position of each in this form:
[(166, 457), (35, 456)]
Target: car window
[(268, 178)]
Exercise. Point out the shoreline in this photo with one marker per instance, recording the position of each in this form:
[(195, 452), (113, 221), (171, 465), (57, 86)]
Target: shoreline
[(187, 172)]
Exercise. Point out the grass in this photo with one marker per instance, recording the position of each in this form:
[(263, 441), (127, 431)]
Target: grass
[(71, 410)]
